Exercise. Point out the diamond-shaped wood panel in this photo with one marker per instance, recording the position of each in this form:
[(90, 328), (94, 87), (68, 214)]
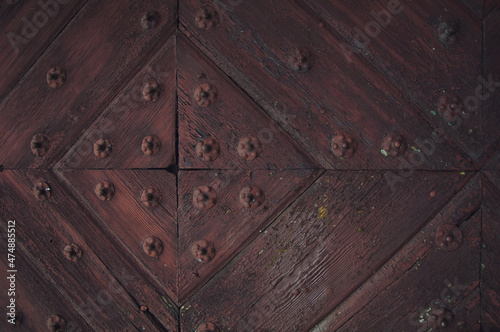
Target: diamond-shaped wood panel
[(231, 165)]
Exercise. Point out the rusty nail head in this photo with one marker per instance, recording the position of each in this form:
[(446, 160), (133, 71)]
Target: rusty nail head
[(204, 197), (150, 145), (152, 246), (207, 18), (105, 190), (393, 145), (144, 308), (251, 197), (208, 149), (42, 190), (447, 32), (72, 252), (39, 145), (151, 90), (56, 76), (449, 237), (203, 251), (249, 147), (301, 60), (102, 148), (450, 107), (205, 95), (343, 146), (440, 318), (207, 327), (150, 20), (56, 323), (150, 197)]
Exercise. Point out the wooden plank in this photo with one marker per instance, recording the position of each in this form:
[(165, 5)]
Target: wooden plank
[(404, 265), (297, 269), (490, 269), (491, 118), (229, 226), (29, 27), (404, 46), (489, 6), (98, 53), (475, 6), (36, 298), (333, 97), (128, 222), (129, 119), (43, 233), (232, 117)]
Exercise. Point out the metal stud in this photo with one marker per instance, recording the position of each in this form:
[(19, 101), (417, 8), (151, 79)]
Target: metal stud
[(42, 190), (152, 246), (251, 197), (102, 148), (207, 18), (205, 95), (39, 145), (56, 76), (301, 60), (150, 145), (249, 148), (105, 191), (203, 251), (56, 323), (204, 197), (72, 252), (393, 145), (208, 149), (449, 237), (343, 146), (207, 327), (150, 197)]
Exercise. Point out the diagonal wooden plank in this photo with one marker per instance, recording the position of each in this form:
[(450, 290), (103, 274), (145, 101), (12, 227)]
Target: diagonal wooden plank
[(129, 119), (368, 299), (304, 266), (128, 222), (228, 226), (475, 6), (28, 28), (401, 39), (489, 6), (43, 231), (98, 53), (232, 117), (334, 97), (490, 271)]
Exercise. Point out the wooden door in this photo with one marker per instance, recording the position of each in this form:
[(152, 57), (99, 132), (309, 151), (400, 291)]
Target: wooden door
[(233, 165)]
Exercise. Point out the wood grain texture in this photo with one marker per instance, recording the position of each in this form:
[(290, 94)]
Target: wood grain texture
[(492, 90), (28, 28), (333, 97), (490, 269), (406, 49), (38, 298), (129, 118), (228, 225), (323, 247), (232, 117), (42, 233), (489, 6), (475, 6), (100, 50), (462, 207), (128, 222)]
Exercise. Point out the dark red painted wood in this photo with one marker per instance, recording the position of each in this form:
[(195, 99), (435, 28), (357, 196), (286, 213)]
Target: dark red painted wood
[(130, 118), (229, 226), (129, 222), (333, 97), (99, 53), (490, 269), (318, 252), (406, 49), (42, 233), (232, 117), (28, 27)]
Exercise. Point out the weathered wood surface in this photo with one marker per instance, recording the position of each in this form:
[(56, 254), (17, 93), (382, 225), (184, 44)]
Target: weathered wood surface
[(334, 96), (128, 222), (230, 118), (28, 27), (406, 48), (490, 267), (397, 297), (229, 226), (42, 231), (130, 118), (95, 65), (340, 232)]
